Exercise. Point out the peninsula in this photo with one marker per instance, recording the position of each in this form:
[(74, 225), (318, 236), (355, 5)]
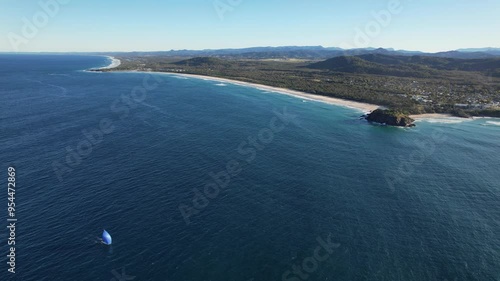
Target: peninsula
[(407, 84)]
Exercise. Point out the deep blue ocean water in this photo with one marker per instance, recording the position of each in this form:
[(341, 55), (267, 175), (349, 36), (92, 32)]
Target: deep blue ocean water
[(399, 204)]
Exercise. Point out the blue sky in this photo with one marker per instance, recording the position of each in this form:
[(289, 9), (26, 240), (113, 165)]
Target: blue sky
[(150, 25)]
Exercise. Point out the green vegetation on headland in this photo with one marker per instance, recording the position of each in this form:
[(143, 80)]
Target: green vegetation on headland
[(411, 84), (390, 117)]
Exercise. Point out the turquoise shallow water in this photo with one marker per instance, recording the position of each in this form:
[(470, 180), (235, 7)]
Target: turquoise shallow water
[(397, 204)]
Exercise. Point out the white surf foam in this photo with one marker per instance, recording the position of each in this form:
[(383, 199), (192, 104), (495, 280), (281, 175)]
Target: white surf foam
[(114, 63), (450, 120), (494, 123)]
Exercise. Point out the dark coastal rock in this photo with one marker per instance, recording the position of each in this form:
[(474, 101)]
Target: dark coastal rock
[(391, 118)]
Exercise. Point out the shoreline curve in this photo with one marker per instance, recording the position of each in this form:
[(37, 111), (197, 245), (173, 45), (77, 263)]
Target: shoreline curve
[(360, 106), (114, 64)]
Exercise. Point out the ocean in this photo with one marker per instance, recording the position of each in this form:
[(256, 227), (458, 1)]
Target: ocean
[(198, 180)]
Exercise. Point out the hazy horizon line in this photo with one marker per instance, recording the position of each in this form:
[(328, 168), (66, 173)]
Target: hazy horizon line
[(242, 48)]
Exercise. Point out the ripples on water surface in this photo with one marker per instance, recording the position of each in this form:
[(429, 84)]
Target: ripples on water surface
[(325, 174)]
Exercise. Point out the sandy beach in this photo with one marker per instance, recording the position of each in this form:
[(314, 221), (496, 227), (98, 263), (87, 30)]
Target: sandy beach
[(114, 63), (432, 116), (364, 107)]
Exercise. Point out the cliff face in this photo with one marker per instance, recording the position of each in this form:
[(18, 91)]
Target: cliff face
[(391, 118)]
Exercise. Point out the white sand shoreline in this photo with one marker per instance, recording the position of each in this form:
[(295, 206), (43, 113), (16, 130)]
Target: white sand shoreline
[(432, 116), (360, 106), (114, 63), (363, 107)]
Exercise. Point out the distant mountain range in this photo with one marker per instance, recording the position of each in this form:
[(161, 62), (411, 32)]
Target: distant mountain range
[(407, 66), (315, 53), (495, 51), (378, 64)]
